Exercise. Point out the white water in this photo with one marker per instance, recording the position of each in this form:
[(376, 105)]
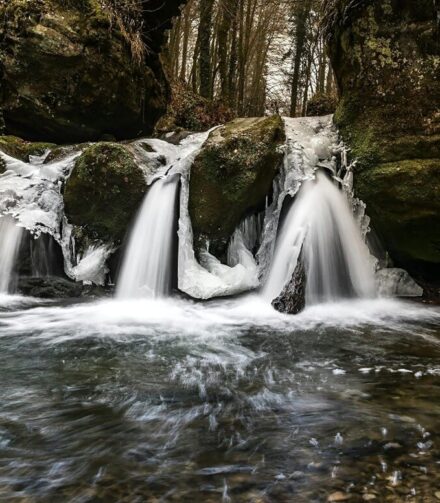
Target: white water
[(336, 258), (147, 268), (310, 141), (210, 278), (10, 239)]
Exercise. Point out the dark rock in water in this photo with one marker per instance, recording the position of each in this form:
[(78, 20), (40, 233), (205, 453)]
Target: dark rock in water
[(292, 299), (232, 177), (74, 71), (385, 56), (103, 193), (49, 287)]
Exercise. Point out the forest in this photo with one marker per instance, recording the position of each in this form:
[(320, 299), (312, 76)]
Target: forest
[(253, 57), (219, 251)]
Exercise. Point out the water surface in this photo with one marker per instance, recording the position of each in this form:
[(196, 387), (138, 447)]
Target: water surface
[(223, 401)]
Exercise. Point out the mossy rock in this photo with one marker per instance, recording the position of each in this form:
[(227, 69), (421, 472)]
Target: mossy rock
[(403, 201), (21, 149), (232, 176), (386, 59), (321, 104), (104, 192), (68, 73)]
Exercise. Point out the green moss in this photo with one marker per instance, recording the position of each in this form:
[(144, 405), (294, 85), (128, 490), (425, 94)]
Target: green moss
[(104, 192), (386, 61), (402, 200), (20, 149), (232, 177)]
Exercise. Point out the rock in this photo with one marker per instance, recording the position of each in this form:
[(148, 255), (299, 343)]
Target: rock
[(232, 176), (321, 104), (386, 60), (189, 111), (437, 495), (292, 299), (369, 497), (103, 193), (21, 149), (402, 200), (76, 71), (49, 287), (338, 496)]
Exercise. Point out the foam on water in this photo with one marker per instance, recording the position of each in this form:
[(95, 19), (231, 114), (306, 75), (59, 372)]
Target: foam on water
[(194, 321)]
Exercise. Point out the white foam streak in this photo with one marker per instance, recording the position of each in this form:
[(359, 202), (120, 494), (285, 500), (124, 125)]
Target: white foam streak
[(222, 321)]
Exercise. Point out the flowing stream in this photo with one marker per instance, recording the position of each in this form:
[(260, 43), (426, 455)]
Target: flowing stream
[(148, 268), (168, 400), (148, 397), (10, 240)]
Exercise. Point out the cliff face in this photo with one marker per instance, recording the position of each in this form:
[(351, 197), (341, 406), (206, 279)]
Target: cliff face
[(386, 59), (72, 71)]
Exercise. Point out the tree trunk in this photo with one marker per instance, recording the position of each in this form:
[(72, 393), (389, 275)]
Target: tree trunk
[(301, 18), (205, 29)]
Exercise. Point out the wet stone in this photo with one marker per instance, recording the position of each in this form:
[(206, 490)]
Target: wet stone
[(338, 496)]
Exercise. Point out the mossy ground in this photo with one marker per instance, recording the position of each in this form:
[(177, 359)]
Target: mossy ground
[(85, 83)]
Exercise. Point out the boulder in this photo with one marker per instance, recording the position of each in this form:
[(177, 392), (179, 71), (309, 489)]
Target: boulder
[(49, 287), (74, 71), (292, 300), (386, 60), (103, 193), (232, 176)]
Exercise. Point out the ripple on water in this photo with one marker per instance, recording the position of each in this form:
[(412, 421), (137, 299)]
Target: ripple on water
[(136, 401)]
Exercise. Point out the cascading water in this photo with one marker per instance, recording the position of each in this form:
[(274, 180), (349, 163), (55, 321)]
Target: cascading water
[(320, 229), (10, 240), (147, 268)]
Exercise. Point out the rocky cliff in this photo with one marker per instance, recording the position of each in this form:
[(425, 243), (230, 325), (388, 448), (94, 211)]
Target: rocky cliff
[(386, 59), (82, 70)]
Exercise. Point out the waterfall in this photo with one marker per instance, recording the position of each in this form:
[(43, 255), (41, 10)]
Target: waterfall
[(320, 225), (44, 256), (147, 267), (10, 240)]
